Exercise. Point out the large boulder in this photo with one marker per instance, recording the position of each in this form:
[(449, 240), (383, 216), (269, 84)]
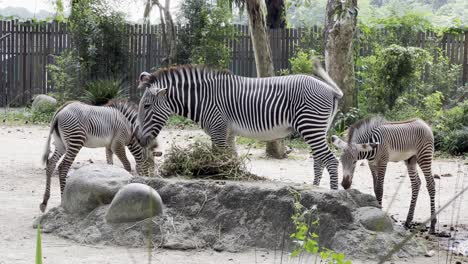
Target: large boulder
[(134, 202), (43, 103), (91, 186), (374, 219)]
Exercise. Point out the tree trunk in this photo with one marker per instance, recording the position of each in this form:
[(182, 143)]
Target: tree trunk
[(168, 29), (276, 17), (340, 25), (263, 59)]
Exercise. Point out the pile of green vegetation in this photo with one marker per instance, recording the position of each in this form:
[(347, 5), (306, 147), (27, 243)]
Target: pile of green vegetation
[(199, 160)]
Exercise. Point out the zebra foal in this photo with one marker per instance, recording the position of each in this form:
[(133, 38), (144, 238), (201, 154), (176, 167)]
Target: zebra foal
[(76, 125), (380, 141), (226, 105)]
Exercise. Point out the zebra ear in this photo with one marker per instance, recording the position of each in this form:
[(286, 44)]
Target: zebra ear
[(153, 91), (144, 76), (367, 146), (162, 92), (338, 142)]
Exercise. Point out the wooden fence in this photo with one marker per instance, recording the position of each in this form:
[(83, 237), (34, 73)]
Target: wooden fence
[(26, 49)]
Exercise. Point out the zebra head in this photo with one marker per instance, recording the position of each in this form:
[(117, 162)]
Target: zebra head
[(350, 156), (153, 110)]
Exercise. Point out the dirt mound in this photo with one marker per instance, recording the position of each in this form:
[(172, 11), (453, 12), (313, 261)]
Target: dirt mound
[(233, 216)]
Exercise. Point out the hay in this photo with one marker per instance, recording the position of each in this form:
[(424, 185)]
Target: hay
[(199, 160)]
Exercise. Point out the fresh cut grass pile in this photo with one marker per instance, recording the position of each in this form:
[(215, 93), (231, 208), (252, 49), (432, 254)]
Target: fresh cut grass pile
[(200, 161)]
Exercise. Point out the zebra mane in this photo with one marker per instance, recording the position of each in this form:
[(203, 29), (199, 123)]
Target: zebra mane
[(163, 72), (363, 126), (127, 108)]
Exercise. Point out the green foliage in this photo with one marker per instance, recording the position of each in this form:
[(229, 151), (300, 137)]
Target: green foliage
[(64, 74), (451, 130), (388, 74), (199, 160), (301, 63), (38, 245), (204, 35), (100, 38), (43, 114), (443, 76), (99, 92), (306, 238), (179, 122), (428, 109), (60, 15), (344, 120)]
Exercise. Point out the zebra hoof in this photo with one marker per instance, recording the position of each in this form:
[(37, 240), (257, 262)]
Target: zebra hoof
[(42, 206)]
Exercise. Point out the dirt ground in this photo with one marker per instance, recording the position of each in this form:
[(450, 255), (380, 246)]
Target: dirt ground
[(23, 180)]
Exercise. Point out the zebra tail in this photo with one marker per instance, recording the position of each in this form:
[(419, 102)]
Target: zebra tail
[(45, 155), (318, 69), (53, 124)]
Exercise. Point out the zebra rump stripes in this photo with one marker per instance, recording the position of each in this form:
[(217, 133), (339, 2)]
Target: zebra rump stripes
[(226, 105), (380, 141), (76, 125)]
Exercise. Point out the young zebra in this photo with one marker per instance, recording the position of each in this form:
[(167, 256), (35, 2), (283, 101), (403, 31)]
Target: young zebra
[(76, 125), (380, 141)]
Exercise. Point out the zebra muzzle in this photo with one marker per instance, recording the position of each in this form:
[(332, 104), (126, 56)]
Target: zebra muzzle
[(346, 183)]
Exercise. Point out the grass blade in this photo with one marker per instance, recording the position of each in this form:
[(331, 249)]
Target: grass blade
[(38, 246)]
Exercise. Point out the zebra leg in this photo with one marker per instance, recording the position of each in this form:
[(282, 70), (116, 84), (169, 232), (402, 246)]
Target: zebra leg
[(381, 169), (318, 170), (415, 186), (144, 158), (150, 165), (119, 150), (109, 154), (425, 163), (373, 170), (51, 163), (321, 152), (66, 163), (231, 141)]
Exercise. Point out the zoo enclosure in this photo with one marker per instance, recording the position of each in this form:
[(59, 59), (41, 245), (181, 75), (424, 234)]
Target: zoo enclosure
[(27, 48)]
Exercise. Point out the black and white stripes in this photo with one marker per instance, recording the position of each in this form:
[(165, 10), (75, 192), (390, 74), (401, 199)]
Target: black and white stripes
[(226, 105), (76, 125), (380, 142)]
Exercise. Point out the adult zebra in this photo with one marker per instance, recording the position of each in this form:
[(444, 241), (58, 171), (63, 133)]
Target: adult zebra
[(226, 105)]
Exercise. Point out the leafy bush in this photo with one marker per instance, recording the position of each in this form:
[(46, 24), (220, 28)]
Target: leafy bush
[(99, 92), (388, 74), (428, 109), (451, 130), (456, 142), (64, 74), (203, 37), (301, 63), (100, 39), (43, 114)]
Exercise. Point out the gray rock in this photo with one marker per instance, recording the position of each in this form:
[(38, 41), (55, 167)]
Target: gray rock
[(134, 202), (91, 186), (43, 103), (374, 219)]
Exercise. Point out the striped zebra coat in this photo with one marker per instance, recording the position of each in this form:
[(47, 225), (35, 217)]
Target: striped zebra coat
[(76, 125), (227, 105), (380, 141)]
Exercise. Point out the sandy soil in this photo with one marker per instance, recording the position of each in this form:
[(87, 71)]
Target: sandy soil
[(23, 180)]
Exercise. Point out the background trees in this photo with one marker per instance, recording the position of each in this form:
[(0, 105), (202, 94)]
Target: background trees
[(389, 59)]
